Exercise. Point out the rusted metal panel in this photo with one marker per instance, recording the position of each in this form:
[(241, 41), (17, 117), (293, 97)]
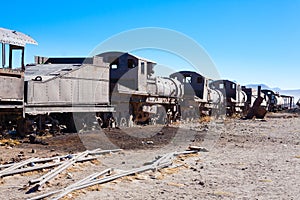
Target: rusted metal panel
[(121, 89), (256, 110), (251, 93), (82, 92), (194, 84), (15, 38), (89, 72), (54, 91), (34, 110), (65, 86), (151, 87), (128, 70), (49, 71), (11, 86), (80, 86)]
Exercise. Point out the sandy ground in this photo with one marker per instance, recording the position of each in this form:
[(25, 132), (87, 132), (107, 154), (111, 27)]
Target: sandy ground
[(247, 159)]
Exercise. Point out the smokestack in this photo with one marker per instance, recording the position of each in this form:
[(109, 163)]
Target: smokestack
[(258, 90)]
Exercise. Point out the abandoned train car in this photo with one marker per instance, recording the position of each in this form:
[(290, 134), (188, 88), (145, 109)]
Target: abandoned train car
[(235, 99), (60, 90), (277, 102), (47, 95), (252, 94), (71, 93), (198, 99), (134, 92)]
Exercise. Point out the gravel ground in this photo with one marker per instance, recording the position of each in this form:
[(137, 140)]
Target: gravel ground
[(247, 159)]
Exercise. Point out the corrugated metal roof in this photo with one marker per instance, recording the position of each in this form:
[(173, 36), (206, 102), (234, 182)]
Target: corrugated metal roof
[(48, 71), (15, 38)]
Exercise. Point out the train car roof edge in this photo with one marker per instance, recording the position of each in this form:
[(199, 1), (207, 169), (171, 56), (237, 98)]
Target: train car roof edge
[(15, 38)]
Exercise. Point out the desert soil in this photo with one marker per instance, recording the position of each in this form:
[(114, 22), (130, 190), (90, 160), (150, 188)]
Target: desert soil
[(246, 159)]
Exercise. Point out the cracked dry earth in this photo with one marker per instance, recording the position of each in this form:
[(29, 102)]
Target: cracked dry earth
[(246, 160)]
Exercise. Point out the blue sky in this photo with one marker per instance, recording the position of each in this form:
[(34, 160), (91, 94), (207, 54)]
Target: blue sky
[(249, 41)]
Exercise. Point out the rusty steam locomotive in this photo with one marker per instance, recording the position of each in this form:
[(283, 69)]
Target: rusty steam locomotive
[(70, 93)]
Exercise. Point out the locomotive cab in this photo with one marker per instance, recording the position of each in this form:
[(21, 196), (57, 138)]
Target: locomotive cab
[(199, 99), (137, 94), (278, 102), (235, 98), (194, 84)]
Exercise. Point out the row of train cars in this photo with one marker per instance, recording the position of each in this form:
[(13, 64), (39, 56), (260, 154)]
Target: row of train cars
[(70, 93)]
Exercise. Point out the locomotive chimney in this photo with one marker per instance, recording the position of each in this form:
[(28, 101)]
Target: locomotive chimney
[(98, 61), (258, 90)]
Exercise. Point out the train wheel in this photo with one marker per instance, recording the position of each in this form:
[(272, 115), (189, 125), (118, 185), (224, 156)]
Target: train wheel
[(153, 121), (123, 122), (165, 121), (68, 120), (116, 122), (100, 121), (21, 129)]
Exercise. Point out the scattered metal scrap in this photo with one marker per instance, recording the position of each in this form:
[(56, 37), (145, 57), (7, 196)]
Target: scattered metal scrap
[(63, 162), (162, 162), (32, 164), (257, 110), (69, 188), (15, 166), (197, 148)]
